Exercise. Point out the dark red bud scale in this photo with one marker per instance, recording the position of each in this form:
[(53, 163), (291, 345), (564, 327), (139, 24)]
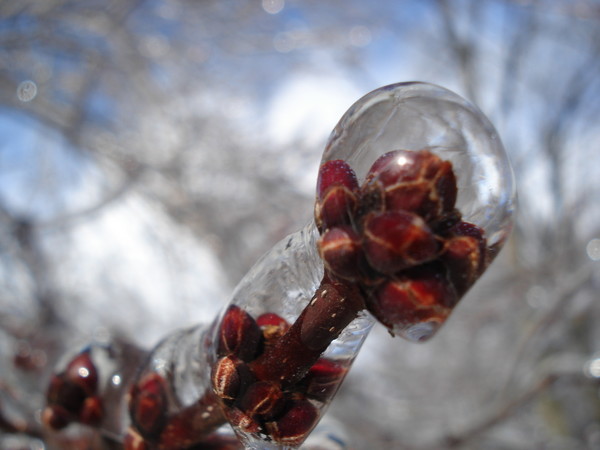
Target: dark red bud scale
[(323, 379), (272, 325), (134, 441), (263, 398), (56, 417), (92, 411), (295, 424), (463, 228), (418, 182), (229, 377), (239, 335), (242, 421), (148, 404), (188, 426), (337, 188), (416, 304), (336, 208), (464, 260), (341, 251), (335, 173), (65, 393), (395, 241), (82, 371)]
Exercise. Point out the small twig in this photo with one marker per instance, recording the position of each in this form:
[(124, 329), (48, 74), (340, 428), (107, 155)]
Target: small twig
[(562, 297), (18, 426), (503, 413)]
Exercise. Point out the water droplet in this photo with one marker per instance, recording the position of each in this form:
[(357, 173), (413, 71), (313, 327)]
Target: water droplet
[(26, 91), (419, 332)]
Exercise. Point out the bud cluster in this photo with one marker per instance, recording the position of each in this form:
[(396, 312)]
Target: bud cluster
[(72, 395), (399, 237), (283, 407)]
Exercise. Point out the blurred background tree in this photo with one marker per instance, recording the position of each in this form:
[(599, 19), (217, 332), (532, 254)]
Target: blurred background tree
[(152, 150)]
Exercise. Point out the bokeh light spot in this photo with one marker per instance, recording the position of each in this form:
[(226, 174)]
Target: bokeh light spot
[(360, 36), (273, 6), (26, 91), (592, 368), (593, 249)]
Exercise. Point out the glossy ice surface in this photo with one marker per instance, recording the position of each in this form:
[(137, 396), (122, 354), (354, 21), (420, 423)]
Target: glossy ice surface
[(415, 116)]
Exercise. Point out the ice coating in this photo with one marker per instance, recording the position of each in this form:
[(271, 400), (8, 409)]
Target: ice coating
[(415, 116), (414, 199)]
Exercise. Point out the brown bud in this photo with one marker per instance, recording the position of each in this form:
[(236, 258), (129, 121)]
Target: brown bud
[(65, 393), (415, 181), (133, 441), (148, 405), (337, 187), (341, 251), (464, 257), (336, 208), (92, 411), (82, 371), (295, 424), (272, 325), (395, 241), (463, 228), (242, 421), (371, 199), (335, 173), (416, 304), (323, 379), (263, 398), (239, 335), (188, 426), (56, 417), (230, 377)]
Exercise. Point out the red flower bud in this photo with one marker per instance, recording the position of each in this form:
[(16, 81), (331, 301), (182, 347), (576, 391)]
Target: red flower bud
[(242, 421), (272, 325), (239, 335), (263, 398), (82, 371), (295, 424), (464, 256), (337, 189), (148, 405), (395, 241), (92, 411), (341, 251), (230, 376), (416, 304), (335, 173), (323, 379), (133, 441), (56, 417), (415, 181), (65, 393)]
